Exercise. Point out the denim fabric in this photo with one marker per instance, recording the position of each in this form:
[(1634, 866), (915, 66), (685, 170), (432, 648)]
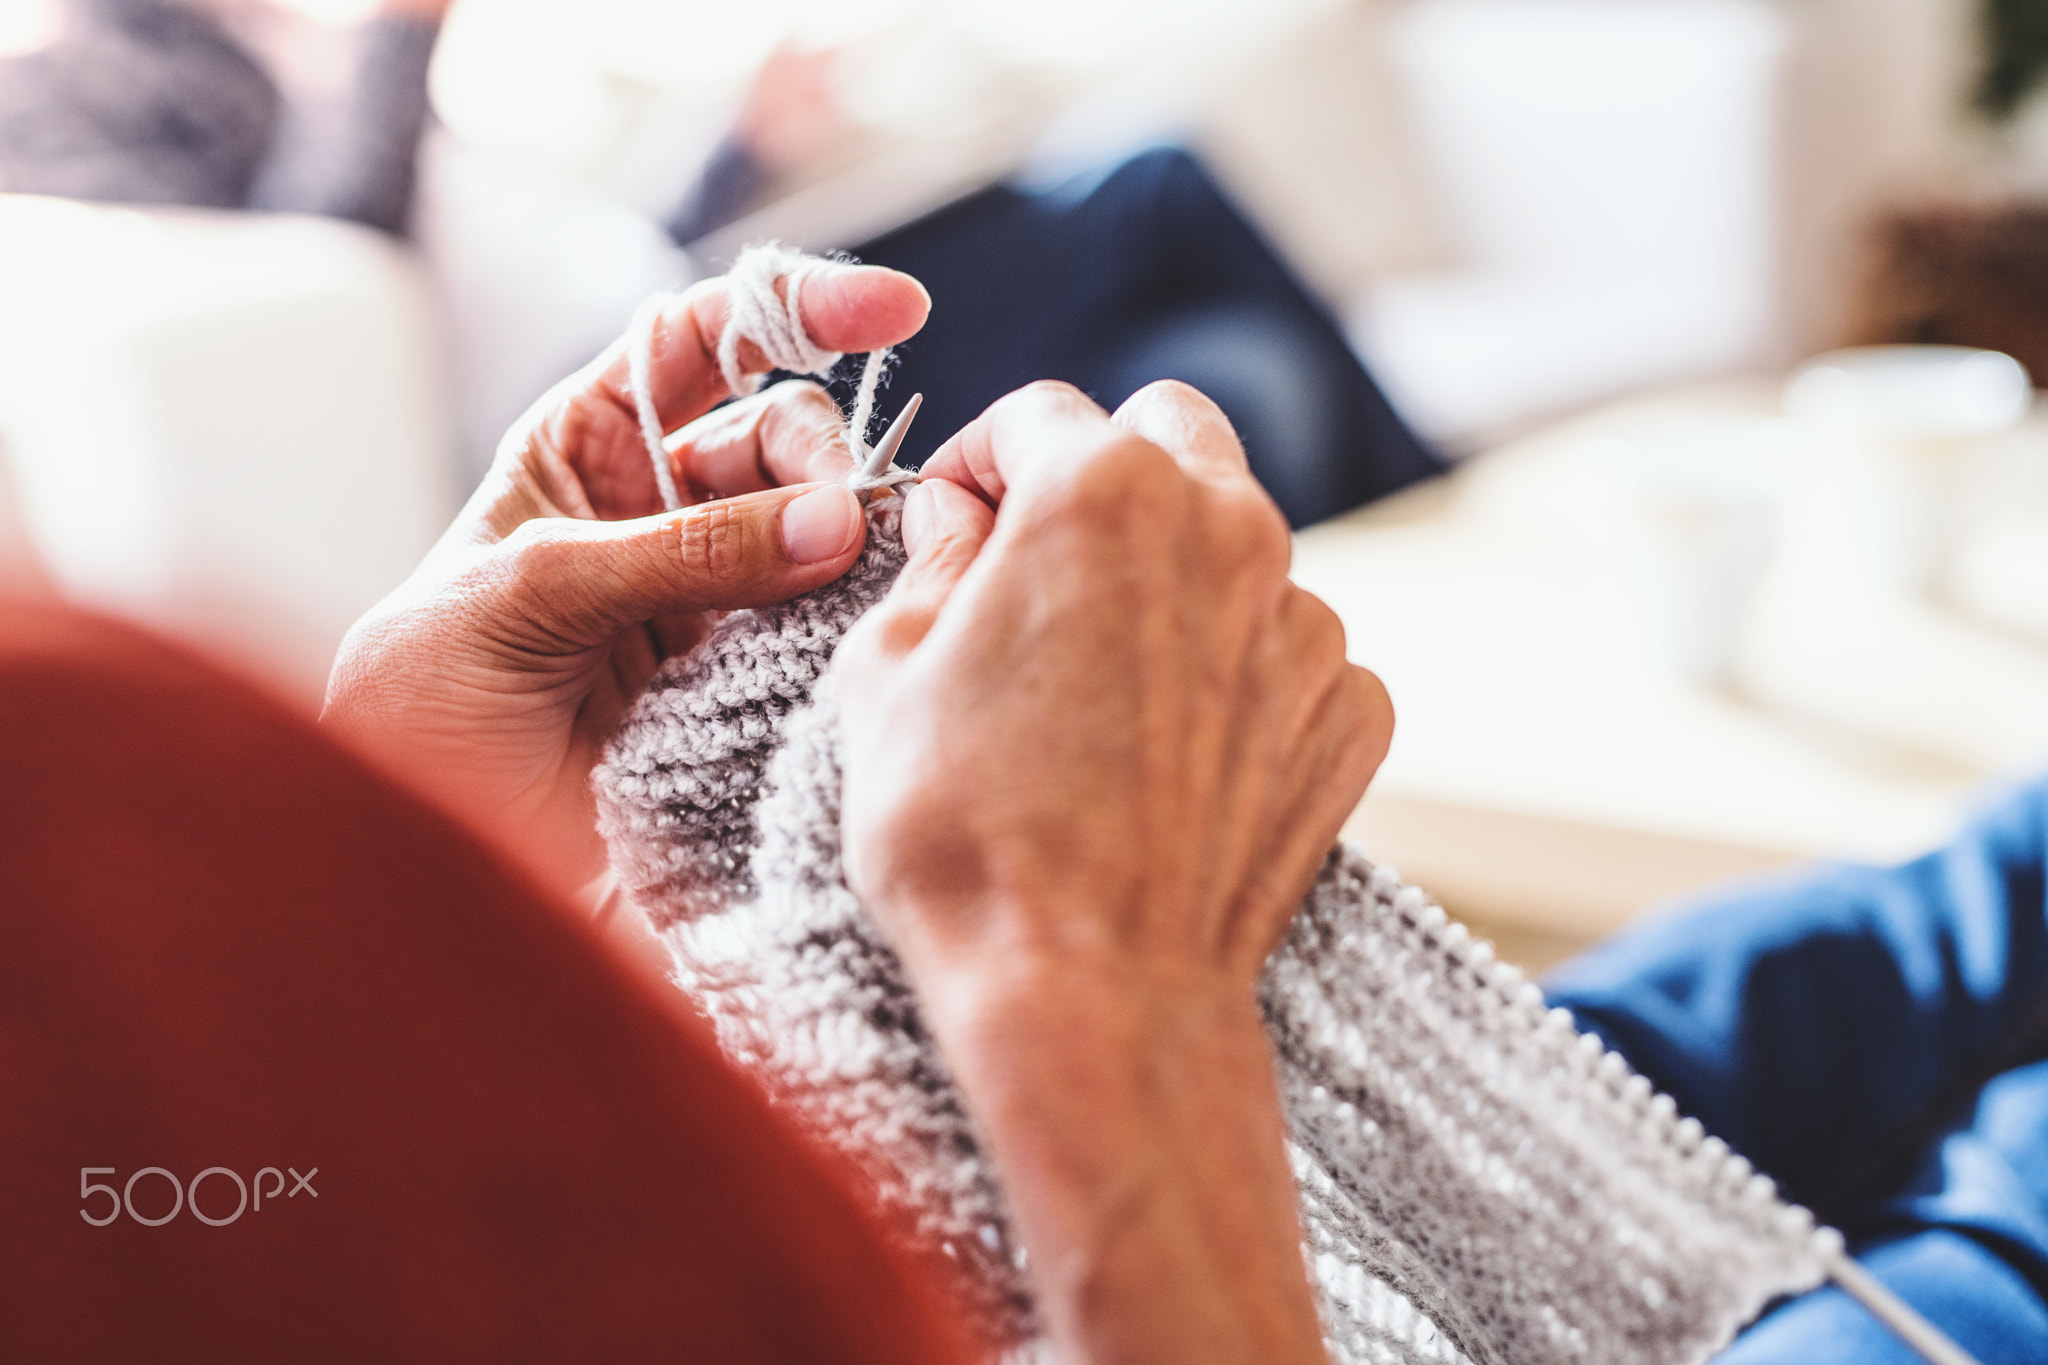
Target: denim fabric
[(1874, 1039), (1145, 273)]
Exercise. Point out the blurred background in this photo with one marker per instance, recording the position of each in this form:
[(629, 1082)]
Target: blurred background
[(1701, 511)]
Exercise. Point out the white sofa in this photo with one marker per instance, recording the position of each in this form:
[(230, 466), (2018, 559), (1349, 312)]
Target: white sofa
[(244, 425), (230, 424), (1635, 192)]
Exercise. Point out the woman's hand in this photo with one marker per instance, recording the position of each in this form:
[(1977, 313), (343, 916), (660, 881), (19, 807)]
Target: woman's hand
[(1096, 748), (1134, 739), (495, 673)]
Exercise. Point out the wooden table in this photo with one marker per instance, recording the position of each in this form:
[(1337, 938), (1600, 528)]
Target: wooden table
[(1553, 774)]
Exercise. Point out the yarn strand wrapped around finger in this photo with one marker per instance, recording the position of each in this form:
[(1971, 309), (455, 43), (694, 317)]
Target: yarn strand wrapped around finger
[(772, 319)]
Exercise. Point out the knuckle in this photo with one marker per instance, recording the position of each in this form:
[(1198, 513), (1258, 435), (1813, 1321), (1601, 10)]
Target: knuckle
[(1259, 534), (804, 392), (1371, 711), (1173, 391), (1057, 393), (1379, 700), (805, 419), (1318, 629), (1124, 476), (1186, 421), (711, 543), (539, 574), (1248, 540), (802, 401), (1040, 400), (1179, 397), (537, 552)]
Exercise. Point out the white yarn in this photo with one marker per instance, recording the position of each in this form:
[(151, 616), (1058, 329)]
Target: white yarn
[(864, 402), (873, 472), (774, 322), (639, 360)]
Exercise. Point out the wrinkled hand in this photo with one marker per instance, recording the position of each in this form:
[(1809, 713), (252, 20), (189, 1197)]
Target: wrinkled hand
[(1096, 747), (1133, 738), (495, 673)]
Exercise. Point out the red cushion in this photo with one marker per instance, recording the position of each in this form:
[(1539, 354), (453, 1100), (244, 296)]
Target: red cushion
[(224, 942)]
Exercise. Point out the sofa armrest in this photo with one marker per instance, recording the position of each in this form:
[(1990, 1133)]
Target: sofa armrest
[(234, 423)]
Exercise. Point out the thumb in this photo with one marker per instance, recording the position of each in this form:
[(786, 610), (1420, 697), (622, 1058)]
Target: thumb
[(585, 581), (944, 528)]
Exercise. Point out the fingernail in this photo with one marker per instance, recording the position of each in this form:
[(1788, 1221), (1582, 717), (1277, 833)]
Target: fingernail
[(917, 516), (819, 525)]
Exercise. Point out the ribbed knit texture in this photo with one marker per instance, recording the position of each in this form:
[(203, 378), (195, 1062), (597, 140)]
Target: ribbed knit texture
[(1478, 1181)]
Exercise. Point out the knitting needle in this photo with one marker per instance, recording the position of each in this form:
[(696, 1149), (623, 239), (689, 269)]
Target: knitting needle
[(1917, 1332), (884, 452)]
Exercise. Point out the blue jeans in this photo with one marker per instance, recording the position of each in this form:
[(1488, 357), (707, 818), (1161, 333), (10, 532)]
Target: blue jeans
[(1876, 1040), (1145, 273)]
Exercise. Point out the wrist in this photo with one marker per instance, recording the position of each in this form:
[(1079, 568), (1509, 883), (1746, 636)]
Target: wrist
[(1124, 1062), (1000, 1001), (1137, 1126)]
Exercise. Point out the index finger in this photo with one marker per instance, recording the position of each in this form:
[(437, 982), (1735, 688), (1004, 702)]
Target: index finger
[(1186, 423), (844, 307), (991, 451), (1008, 439)]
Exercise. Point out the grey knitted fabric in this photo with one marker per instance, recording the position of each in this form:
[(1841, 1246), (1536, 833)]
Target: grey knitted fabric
[(1477, 1180), (677, 787)]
